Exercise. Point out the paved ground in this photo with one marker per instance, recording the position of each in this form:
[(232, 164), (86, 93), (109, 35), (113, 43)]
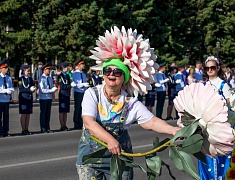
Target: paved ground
[(53, 156)]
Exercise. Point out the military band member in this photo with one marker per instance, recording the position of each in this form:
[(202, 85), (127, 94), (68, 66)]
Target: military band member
[(26, 88), (46, 88), (64, 95), (6, 89), (80, 85)]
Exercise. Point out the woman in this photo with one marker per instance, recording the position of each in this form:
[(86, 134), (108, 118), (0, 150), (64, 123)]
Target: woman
[(108, 111), (216, 167), (191, 78), (64, 96), (26, 88)]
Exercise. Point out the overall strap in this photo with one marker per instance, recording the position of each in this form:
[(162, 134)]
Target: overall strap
[(96, 92), (125, 108)]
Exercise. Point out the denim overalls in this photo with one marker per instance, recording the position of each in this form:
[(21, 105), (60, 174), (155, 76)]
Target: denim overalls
[(87, 145)]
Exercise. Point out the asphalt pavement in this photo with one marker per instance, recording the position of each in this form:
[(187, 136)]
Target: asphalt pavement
[(52, 156)]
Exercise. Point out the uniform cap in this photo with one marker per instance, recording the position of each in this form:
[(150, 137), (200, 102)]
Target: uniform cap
[(64, 64), (162, 64), (4, 63), (47, 66), (25, 67), (78, 62)]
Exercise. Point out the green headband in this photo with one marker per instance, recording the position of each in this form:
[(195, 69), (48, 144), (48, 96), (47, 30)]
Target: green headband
[(118, 63)]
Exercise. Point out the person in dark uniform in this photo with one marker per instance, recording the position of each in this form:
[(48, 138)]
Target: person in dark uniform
[(26, 88), (171, 91), (80, 85), (46, 88), (64, 95), (96, 79), (6, 89), (150, 98)]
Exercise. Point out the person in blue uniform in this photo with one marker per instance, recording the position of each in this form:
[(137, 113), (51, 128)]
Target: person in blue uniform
[(180, 82), (26, 88), (46, 88), (161, 87), (64, 95), (80, 85), (6, 89)]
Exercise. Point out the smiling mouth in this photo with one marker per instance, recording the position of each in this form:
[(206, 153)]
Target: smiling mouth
[(112, 79)]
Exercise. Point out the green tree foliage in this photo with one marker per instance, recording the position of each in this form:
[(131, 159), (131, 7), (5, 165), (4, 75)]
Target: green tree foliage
[(184, 31)]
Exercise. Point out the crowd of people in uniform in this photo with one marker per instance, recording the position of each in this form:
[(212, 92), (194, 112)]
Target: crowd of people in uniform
[(169, 81), (68, 81)]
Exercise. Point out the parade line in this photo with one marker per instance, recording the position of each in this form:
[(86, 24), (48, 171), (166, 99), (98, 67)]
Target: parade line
[(57, 159)]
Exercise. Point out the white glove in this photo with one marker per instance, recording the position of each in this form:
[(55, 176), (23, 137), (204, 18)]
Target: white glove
[(178, 81), (8, 91), (53, 89), (73, 84), (3, 90), (32, 88), (157, 85), (12, 89), (86, 84), (166, 80)]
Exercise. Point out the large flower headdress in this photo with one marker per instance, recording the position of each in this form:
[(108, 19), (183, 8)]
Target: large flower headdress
[(203, 103), (134, 51)]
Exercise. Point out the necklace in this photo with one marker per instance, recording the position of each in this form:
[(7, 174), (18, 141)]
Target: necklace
[(108, 98), (24, 84)]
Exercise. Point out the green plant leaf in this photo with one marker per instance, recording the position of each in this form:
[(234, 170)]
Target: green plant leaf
[(187, 118), (186, 131), (95, 156), (183, 162), (131, 163), (200, 156), (154, 163), (192, 144), (117, 167)]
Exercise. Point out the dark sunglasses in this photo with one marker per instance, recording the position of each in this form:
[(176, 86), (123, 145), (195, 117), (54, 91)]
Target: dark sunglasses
[(213, 68), (116, 72)]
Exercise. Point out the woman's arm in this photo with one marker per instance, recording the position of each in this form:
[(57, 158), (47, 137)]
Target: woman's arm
[(160, 126), (95, 129)]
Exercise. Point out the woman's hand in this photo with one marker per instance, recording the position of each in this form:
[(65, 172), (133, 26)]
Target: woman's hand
[(114, 146), (175, 130)]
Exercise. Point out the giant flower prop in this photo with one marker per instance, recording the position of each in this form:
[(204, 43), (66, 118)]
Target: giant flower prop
[(202, 103), (135, 53)]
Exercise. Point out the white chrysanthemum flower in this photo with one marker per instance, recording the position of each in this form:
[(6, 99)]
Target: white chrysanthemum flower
[(135, 53), (210, 108)]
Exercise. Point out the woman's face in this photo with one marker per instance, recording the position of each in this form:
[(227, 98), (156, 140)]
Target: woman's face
[(113, 76), (212, 69)]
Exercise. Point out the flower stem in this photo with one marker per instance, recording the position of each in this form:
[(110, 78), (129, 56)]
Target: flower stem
[(134, 154)]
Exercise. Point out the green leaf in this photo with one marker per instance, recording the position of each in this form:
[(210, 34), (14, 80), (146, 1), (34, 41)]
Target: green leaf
[(183, 162), (186, 131), (161, 143), (131, 163), (193, 144), (154, 163), (117, 167), (187, 118), (200, 156), (95, 156)]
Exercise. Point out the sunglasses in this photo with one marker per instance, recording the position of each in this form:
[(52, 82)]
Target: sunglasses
[(116, 72), (213, 68)]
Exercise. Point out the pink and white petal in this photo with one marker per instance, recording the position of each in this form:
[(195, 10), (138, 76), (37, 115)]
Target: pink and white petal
[(213, 107), (136, 77), (220, 133)]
